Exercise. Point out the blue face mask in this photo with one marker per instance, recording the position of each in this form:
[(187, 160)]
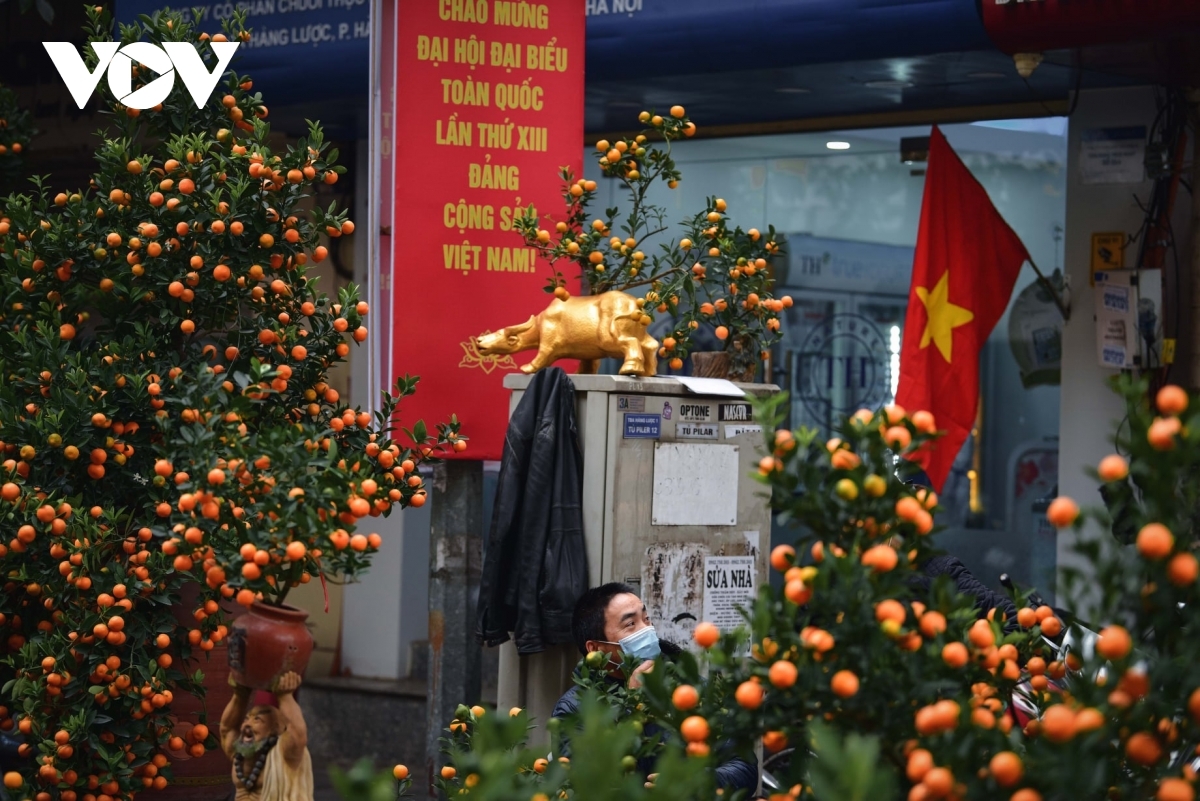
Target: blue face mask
[(642, 644)]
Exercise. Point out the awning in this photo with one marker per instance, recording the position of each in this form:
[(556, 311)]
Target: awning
[(1037, 25), (673, 37)]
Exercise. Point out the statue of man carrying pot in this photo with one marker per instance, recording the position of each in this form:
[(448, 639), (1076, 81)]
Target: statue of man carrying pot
[(268, 744)]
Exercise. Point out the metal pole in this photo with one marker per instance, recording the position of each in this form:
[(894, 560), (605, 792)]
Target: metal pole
[(455, 564), (371, 271)]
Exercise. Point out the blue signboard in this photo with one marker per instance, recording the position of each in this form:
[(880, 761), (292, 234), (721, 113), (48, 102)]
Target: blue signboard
[(771, 33), (301, 51), (316, 52), (642, 426)]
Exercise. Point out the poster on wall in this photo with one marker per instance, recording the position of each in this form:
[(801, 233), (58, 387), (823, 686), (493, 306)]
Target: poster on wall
[(488, 109), (1033, 478), (1116, 319), (1113, 155)]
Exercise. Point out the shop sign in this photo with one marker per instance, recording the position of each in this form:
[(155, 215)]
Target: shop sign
[(777, 32), (490, 111), (597, 8), (1017, 26), (297, 49), (840, 265)]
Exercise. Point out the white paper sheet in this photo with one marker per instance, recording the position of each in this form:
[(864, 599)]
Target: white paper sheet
[(691, 484), (711, 386)]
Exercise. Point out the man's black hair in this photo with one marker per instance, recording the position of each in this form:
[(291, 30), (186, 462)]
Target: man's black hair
[(588, 618)]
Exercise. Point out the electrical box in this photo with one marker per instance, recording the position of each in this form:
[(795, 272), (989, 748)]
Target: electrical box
[(670, 506)]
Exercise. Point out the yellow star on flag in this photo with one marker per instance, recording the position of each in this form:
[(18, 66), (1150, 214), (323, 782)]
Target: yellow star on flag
[(944, 316)]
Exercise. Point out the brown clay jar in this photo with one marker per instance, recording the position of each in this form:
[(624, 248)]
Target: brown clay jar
[(266, 642)]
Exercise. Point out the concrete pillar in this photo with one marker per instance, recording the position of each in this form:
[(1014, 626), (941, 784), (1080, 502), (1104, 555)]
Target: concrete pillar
[(373, 608), (1090, 409), (535, 683), (455, 565)]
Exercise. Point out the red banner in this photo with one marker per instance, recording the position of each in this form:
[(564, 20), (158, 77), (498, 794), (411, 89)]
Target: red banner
[(489, 106), (1036, 25)]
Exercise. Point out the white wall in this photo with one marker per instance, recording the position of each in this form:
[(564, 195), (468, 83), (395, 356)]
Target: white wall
[(378, 619), (1090, 410)]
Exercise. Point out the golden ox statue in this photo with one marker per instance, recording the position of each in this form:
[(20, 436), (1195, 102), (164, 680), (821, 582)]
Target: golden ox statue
[(587, 328)]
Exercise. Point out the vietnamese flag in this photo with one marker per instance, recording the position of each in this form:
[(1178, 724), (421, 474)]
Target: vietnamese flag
[(967, 261)]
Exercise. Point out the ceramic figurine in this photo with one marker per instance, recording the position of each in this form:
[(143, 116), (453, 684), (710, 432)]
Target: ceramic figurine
[(588, 328), (268, 744)]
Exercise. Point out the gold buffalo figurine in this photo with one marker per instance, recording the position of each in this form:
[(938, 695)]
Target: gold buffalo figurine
[(588, 328)]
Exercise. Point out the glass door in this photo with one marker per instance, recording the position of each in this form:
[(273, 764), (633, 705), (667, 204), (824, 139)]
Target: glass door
[(840, 353)]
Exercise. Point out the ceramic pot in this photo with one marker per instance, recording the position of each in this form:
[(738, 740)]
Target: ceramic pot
[(717, 364), (266, 642)]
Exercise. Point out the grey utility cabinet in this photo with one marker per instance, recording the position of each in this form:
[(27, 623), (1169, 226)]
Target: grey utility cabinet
[(670, 506)]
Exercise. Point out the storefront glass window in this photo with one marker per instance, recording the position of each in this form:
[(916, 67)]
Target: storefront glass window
[(850, 220)]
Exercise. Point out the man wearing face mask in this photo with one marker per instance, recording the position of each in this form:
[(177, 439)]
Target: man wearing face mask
[(613, 619)]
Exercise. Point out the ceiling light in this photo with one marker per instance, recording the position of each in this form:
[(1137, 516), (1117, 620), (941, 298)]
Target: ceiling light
[(838, 145), (793, 90), (888, 84), (1027, 63)]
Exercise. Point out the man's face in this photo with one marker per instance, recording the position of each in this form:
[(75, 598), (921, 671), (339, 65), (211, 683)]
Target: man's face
[(625, 615), (259, 724)]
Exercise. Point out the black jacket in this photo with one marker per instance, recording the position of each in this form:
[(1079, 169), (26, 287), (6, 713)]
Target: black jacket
[(733, 774), (535, 566)]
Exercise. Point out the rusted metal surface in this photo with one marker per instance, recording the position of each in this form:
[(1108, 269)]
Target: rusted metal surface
[(455, 564), (672, 583), (673, 588)]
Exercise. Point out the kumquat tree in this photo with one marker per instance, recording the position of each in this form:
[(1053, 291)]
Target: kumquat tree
[(167, 421), (855, 662), (16, 131), (716, 275)]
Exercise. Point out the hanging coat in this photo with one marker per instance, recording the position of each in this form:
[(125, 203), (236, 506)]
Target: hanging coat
[(535, 565)]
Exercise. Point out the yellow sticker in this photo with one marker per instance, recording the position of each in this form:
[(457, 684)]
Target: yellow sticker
[(1108, 253), (1168, 351)]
